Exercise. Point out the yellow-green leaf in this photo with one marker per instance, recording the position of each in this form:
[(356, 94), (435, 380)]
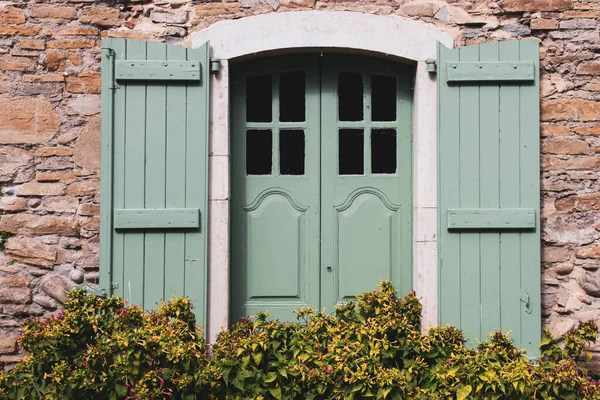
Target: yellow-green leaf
[(463, 392)]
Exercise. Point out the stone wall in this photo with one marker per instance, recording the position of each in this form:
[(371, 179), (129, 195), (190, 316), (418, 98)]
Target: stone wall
[(50, 132)]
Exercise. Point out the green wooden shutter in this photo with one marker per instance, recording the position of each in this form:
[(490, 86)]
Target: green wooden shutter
[(153, 234), (489, 193)]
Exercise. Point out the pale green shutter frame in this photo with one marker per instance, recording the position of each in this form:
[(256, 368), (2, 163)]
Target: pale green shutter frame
[(489, 191), (154, 195)]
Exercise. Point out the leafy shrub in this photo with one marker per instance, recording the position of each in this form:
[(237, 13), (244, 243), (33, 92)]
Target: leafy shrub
[(372, 348), (103, 349)]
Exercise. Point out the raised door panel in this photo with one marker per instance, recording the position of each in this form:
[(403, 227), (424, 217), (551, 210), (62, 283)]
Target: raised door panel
[(276, 247), (367, 233)]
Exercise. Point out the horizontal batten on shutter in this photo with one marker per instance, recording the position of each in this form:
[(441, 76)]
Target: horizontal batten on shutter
[(478, 71), (158, 70), (157, 218), (478, 218)]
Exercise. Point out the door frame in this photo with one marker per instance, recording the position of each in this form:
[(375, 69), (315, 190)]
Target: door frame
[(285, 31)]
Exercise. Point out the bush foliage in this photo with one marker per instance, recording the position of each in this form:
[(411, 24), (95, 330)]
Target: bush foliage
[(372, 348)]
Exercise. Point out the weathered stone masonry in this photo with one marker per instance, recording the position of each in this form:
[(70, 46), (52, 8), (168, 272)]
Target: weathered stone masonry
[(50, 132)]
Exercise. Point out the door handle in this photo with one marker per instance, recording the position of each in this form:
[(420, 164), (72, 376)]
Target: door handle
[(329, 268)]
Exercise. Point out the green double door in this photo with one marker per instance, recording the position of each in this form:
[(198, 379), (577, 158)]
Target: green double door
[(321, 167)]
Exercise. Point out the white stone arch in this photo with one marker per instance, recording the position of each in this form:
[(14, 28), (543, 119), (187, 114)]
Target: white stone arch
[(279, 31)]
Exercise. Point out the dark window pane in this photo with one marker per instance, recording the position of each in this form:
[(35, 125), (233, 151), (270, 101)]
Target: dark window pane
[(383, 151), (259, 149), (351, 152), (291, 96), (350, 96), (291, 152), (383, 98), (258, 98)]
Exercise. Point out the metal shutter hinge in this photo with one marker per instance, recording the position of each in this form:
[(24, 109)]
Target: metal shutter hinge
[(111, 54), (215, 65), (431, 66)]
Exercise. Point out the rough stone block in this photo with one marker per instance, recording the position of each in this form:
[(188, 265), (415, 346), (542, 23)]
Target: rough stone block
[(86, 82), (588, 252), (210, 9), (56, 286), (536, 5), (79, 189), (543, 24), (11, 63), (15, 295), (30, 224), (30, 251), (87, 147), (589, 68), (53, 12), (101, 16), (27, 120), (71, 44), (11, 15), (570, 109), (53, 151), (11, 30), (565, 146), (170, 17), (41, 189), (60, 204), (8, 346)]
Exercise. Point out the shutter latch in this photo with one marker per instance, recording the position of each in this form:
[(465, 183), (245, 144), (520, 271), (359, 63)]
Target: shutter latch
[(431, 66), (525, 299)]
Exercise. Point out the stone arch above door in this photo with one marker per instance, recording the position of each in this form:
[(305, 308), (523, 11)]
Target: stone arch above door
[(393, 37)]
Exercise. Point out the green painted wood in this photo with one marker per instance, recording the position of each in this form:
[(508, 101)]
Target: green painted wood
[(481, 218), (152, 218), (196, 183), (175, 178), (154, 243), (530, 195), (366, 223), (481, 71), (106, 167), (510, 166), (136, 70), (319, 238), (135, 163), (274, 218), (489, 179), (469, 179), (449, 284), (490, 196), (156, 143)]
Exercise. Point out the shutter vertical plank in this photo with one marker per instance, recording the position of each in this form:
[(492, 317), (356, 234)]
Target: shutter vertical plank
[(530, 189), (155, 182), (490, 196), (510, 244), (468, 183), (118, 184), (197, 184), (176, 113), (135, 126), (449, 169)]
